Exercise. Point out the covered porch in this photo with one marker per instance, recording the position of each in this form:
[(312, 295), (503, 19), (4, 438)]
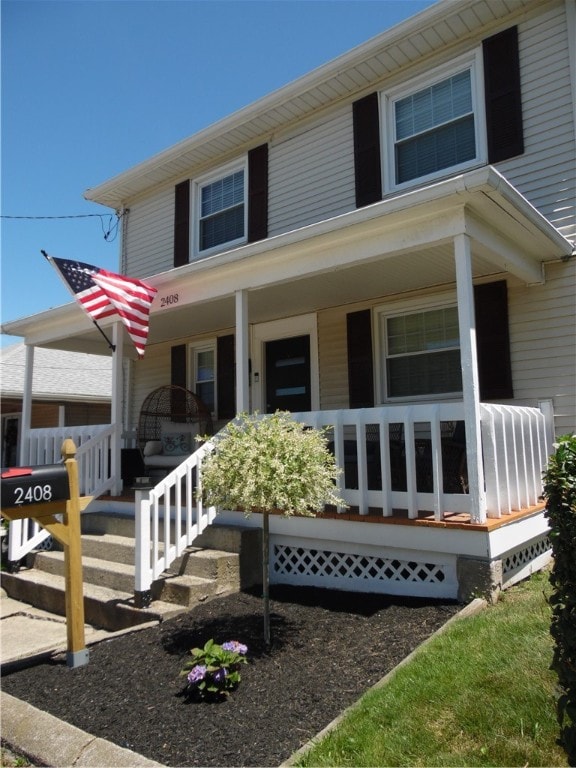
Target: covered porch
[(428, 464), (411, 526)]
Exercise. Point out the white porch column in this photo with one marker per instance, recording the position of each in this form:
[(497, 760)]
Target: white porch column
[(470, 381), (242, 353), (26, 420), (116, 406)]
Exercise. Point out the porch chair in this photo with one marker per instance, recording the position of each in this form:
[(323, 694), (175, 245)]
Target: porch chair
[(169, 420)]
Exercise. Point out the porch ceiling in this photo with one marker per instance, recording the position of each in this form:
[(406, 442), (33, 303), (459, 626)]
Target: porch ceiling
[(393, 247)]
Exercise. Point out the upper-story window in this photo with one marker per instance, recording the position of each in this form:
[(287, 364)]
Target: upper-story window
[(221, 209), (435, 125)]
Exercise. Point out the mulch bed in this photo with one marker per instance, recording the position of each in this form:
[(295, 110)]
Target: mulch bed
[(328, 648)]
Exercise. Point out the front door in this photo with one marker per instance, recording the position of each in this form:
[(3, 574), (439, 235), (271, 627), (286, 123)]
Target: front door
[(288, 374)]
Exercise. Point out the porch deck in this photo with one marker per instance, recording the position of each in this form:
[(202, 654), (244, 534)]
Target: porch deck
[(451, 520)]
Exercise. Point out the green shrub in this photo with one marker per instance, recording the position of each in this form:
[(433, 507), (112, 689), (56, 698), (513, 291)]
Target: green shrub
[(560, 493)]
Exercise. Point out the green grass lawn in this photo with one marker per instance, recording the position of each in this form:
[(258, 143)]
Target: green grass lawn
[(479, 694)]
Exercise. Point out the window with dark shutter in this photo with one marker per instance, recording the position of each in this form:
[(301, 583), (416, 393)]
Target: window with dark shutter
[(258, 193), (493, 341), (360, 362), (226, 377), (182, 223), (503, 95), (367, 168)]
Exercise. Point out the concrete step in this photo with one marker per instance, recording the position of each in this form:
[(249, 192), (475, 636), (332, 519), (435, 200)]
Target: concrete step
[(107, 546), (186, 591), (103, 607), (209, 564), (105, 573), (108, 522), (226, 560)]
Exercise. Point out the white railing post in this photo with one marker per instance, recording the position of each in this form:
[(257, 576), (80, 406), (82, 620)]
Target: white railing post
[(470, 379), (143, 571), (547, 408), (117, 397)]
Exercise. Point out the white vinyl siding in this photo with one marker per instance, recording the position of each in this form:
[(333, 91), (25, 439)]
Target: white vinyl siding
[(311, 174), (151, 372), (332, 359), (543, 345), (546, 173), (149, 235)]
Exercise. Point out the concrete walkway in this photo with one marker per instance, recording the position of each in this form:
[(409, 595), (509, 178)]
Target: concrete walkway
[(28, 635)]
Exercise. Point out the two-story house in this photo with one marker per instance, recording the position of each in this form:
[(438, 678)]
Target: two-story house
[(384, 246)]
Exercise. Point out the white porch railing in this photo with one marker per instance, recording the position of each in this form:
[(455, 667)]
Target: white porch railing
[(516, 447), (43, 446), (399, 457), (168, 519), (394, 458)]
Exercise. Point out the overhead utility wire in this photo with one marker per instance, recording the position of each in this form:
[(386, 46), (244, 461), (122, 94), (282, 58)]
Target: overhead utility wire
[(107, 232)]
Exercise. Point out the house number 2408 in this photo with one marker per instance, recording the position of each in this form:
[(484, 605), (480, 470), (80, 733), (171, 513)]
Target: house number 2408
[(167, 301), (32, 493)]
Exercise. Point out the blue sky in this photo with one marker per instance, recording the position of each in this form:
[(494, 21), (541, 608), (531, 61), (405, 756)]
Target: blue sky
[(91, 88)]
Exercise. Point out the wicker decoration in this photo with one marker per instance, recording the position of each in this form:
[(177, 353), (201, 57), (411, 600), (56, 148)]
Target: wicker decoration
[(171, 404)]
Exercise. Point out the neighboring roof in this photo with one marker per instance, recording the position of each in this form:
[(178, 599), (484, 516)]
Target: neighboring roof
[(445, 24), (58, 375)]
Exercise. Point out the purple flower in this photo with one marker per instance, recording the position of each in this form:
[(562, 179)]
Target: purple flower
[(235, 647), (220, 675), (197, 673)]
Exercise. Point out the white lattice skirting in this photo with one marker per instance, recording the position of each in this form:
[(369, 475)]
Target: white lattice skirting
[(306, 566), (520, 563), (401, 572)]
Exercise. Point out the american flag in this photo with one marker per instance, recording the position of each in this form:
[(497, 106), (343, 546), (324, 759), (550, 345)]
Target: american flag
[(103, 294)]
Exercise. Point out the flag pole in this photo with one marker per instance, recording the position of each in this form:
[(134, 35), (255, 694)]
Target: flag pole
[(110, 345)]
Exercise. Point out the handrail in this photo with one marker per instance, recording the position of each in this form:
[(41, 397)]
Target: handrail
[(168, 519), (44, 446)]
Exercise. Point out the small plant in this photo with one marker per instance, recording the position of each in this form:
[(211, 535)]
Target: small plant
[(213, 671)]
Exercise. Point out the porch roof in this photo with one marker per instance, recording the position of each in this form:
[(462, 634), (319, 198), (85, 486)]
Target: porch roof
[(400, 244)]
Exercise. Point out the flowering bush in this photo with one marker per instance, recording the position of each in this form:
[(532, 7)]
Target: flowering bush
[(260, 464), (266, 464), (214, 670)]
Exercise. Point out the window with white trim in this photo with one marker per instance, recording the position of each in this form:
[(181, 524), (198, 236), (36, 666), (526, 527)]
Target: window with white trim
[(203, 373), (221, 209), (435, 126), (421, 354)]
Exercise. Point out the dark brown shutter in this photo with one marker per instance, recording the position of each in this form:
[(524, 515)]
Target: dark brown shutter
[(226, 377), (258, 193), (503, 96), (360, 363), (178, 365), (366, 121), (178, 378), (493, 341), (182, 224)]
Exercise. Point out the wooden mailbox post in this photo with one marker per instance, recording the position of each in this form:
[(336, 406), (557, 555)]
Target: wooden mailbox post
[(41, 493)]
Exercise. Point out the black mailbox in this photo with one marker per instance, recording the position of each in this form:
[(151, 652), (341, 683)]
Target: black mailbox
[(33, 485)]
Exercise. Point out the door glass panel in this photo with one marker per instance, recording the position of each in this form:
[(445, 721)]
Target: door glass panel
[(288, 374)]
